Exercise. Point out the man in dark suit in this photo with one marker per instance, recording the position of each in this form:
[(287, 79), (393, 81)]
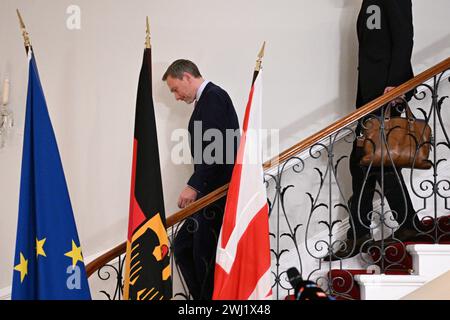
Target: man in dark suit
[(214, 134), (385, 34)]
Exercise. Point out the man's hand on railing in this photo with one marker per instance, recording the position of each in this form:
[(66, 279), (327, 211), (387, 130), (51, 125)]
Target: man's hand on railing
[(187, 196)]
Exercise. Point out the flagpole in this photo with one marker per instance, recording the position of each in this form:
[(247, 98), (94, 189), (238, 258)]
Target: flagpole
[(25, 35), (260, 57), (258, 66), (147, 38)]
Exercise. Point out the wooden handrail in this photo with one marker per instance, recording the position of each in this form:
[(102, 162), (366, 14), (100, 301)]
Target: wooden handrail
[(287, 154), (359, 113), (170, 222)]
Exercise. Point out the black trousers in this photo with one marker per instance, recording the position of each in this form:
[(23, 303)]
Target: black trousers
[(195, 248), (393, 186)]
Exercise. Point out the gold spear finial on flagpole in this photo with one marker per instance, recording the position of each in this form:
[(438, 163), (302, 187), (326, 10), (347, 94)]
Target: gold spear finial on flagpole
[(26, 36), (147, 38), (260, 57)]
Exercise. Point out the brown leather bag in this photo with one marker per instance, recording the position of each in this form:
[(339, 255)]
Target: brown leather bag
[(408, 140)]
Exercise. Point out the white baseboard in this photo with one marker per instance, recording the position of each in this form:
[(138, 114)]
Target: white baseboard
[(5, 293), (388, 287)]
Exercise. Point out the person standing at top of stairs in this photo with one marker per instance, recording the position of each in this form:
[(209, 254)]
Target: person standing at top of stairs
[(385, 35)]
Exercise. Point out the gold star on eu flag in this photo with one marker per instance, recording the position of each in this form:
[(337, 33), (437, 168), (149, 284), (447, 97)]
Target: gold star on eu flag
[(40, 247), (22, 267), (75, 254)]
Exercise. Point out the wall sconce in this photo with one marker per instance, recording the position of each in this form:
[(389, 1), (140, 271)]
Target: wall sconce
[(6, 116)]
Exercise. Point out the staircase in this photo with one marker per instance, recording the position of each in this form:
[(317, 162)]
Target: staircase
[(428, 261), (413, 264), (303, 232)]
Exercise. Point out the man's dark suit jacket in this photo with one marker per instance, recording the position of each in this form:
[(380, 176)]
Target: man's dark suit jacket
[(215, 111), (385, 53)]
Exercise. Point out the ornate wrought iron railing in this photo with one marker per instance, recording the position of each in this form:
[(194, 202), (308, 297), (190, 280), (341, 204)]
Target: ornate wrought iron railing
[(311, 208)]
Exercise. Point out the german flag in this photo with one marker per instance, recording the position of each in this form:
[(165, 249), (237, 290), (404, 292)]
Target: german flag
[(147, 270)]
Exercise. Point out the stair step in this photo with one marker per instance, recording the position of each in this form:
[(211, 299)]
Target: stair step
[(407, 267), (425, 261), (388, 287), (397, 255), (344, 286), (430, 260)]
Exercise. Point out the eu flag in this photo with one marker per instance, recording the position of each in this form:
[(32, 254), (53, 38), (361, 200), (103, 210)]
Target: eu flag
[(48, 262)]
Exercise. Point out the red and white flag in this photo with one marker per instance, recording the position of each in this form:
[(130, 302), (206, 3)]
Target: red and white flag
[(243, 253)]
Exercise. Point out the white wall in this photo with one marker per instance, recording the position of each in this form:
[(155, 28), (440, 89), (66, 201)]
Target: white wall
[(90, 79)]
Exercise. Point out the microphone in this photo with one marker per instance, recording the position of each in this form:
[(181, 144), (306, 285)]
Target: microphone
[(304, 289)]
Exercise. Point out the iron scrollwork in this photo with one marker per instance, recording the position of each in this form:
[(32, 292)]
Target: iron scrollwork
[(308, 238)]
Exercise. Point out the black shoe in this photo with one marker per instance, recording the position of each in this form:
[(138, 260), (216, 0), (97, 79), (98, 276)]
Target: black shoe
[(349, 248), (405, 234)]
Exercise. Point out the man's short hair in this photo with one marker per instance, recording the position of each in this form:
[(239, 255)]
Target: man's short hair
[(179, 67)]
